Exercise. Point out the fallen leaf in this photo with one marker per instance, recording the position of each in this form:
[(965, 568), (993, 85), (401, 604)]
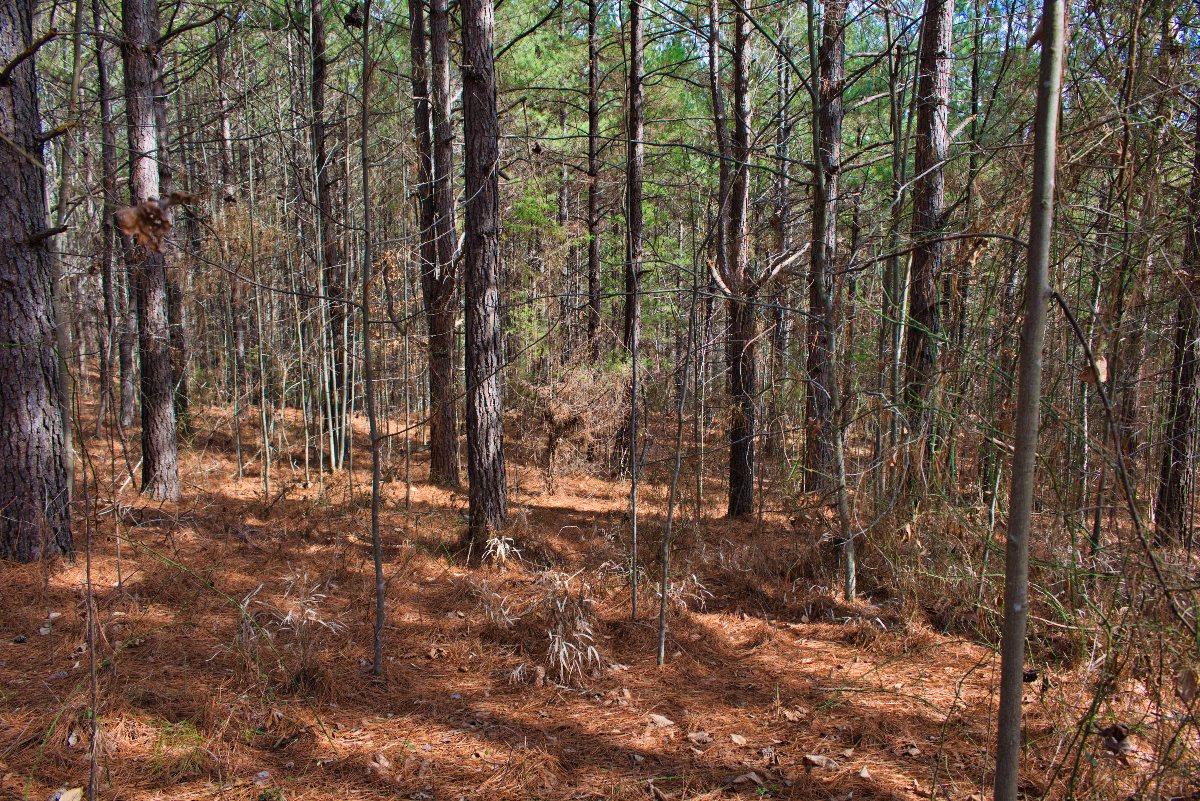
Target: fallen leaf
[(74, 794), (748, 777), (1187, 684), (661, 720), (819, 761), (1097, 376), (864, 773), (700, 737), (737, 739)]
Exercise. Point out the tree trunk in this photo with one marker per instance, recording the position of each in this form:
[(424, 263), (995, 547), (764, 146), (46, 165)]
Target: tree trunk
[(819, 412), (34, 491), (332, 266), (160, 465), (740, 351), (933, 139), (434, 141), (1029, 388), (1176, 457), (488, 491), (593, 201), (108, 183)]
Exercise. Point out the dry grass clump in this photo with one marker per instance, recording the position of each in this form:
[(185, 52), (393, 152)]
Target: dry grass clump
[(572, 415), (558, 619), (283, 642)]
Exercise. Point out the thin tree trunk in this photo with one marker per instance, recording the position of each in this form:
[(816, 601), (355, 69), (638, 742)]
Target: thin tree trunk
[(333, 270), (108, 183), (1029, 393), (368, 359), (593, 201), (160, 463), (742, 334)]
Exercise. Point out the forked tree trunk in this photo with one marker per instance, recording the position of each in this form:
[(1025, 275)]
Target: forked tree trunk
[(160, 464), (488, 489), (35, 515)]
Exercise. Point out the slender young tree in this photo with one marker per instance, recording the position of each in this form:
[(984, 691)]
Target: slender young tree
[(1029, 398), (140, 49), (35, 514), (593, 196), (364, 131), (333, 268), (443, 285), (488, 489)]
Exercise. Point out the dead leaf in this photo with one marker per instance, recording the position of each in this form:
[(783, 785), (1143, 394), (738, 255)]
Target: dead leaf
[(819, 761), (73, 794), (661, 720), (700, 737), (1186, 684), (147, 223), (910, 750), (1097, 376), (748, 777), (737, 739), (864, 774)]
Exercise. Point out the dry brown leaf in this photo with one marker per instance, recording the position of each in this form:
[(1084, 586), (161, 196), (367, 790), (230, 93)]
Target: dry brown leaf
[(1186, 684), (661, 720), (700, 737), (1096, 376), (819, 761)]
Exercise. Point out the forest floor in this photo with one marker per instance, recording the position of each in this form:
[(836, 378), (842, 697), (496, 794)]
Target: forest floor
[(233, 654)]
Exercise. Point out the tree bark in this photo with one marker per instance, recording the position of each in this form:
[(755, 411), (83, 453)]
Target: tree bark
[(160, 464), (819, 412), (1029, 389), (332, 266), (35, 514), (108, 185), (434, 142), (593, 198), (742, 334), (488, 491), (1169, 511), (933, 139)]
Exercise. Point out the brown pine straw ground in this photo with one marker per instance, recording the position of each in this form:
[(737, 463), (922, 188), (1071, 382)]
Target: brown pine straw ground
[(232, 660)]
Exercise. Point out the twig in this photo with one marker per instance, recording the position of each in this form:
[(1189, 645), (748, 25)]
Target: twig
[(1138, 526), (26, 53)]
